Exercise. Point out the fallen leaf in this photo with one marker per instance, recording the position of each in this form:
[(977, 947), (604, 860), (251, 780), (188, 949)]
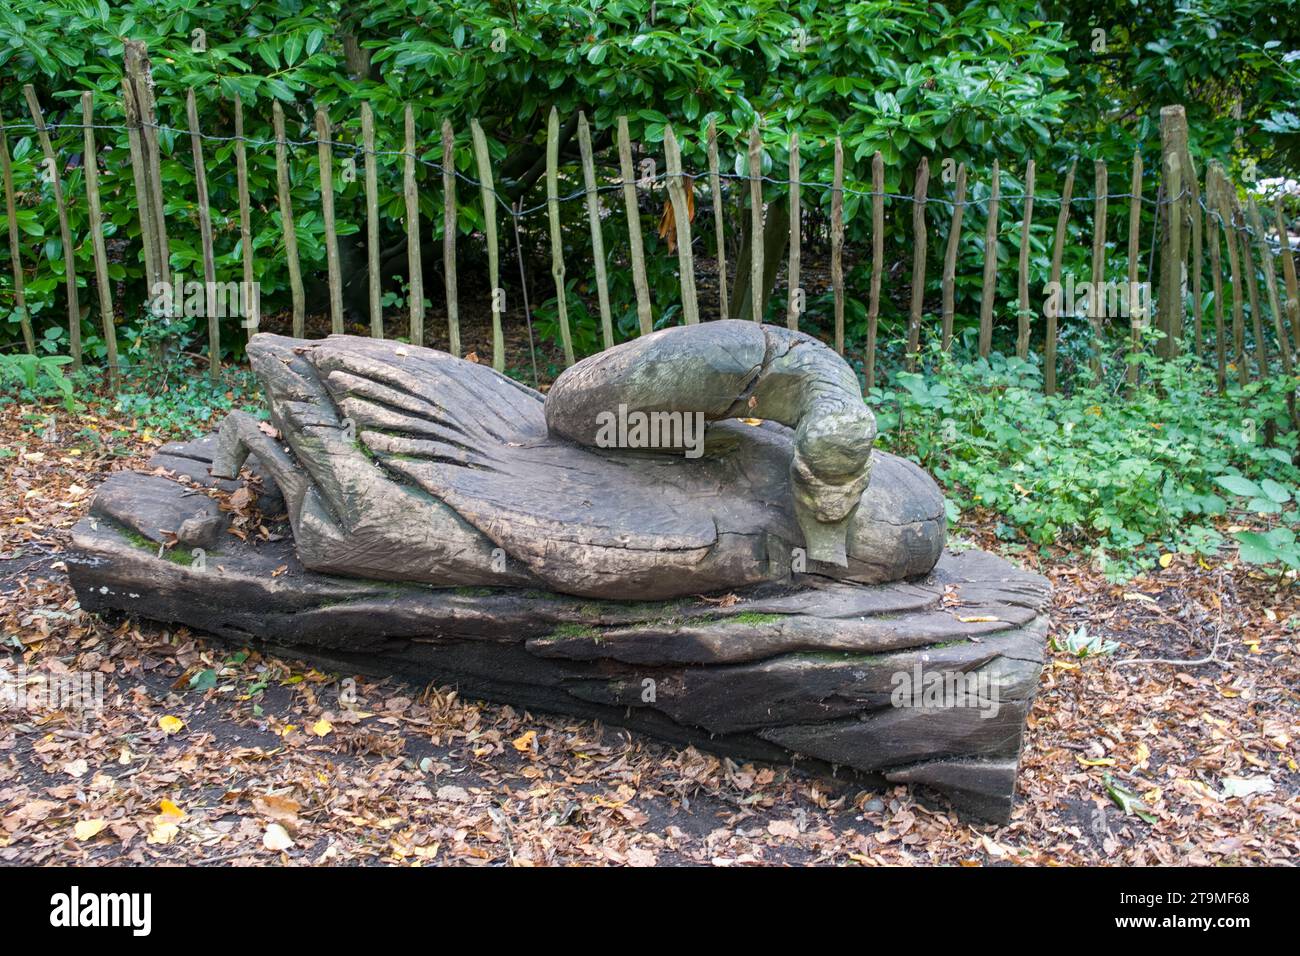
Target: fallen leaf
[(1128, 801), (1138, 596), (33, 812), (992, 847), (276, 838), (1142, 755), (85, 829), (1245, 786), (162, 833), (783, 829), (170, 724), (281, 810)]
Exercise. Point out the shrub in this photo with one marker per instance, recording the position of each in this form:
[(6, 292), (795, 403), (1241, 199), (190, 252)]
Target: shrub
[(1130, 475)]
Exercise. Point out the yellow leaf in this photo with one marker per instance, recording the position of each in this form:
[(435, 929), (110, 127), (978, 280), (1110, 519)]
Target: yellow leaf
[(525, 742), (322, 728), (978, 619), (85, 829), (169, 811), (170, 724), (1166, 559), (1099, 762), (1138, 596), (1065, 665), (163, 833), (1143, 752)]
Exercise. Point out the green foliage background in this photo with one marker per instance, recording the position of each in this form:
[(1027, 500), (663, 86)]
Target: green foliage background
[(964, 81)]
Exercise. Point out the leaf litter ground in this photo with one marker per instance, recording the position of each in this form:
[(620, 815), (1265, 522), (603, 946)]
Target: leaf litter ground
[(209, 754)]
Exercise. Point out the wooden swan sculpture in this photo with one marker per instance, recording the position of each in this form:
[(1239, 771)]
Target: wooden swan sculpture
[(405, 463)]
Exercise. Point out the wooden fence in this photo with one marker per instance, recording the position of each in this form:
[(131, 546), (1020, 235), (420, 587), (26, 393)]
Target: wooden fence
[(1194, 222)]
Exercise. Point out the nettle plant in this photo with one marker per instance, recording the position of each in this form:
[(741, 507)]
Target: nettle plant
[(1132, 476), (32, 378)]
